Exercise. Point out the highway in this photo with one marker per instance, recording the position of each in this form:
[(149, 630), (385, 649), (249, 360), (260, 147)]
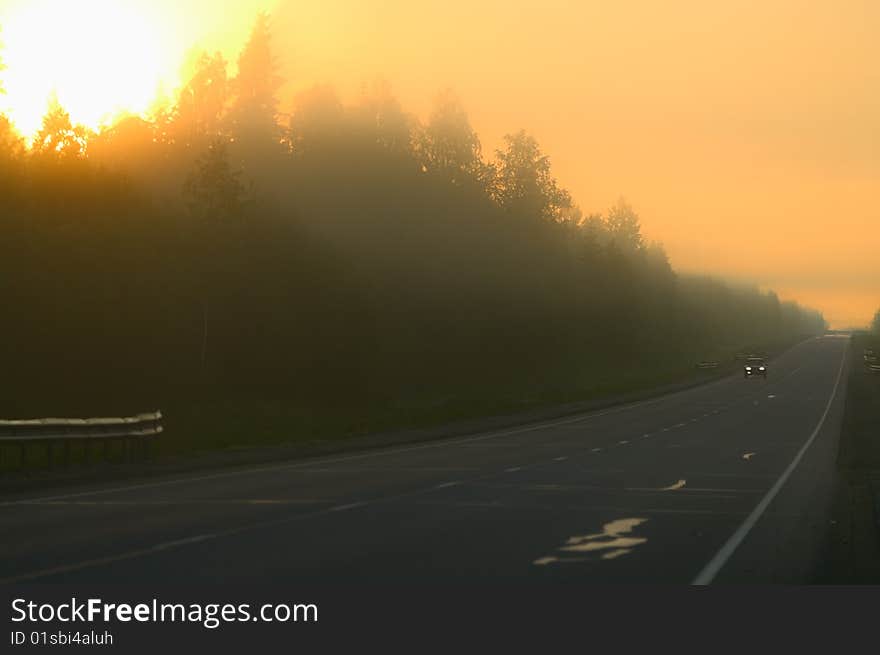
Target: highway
[(726, 482)]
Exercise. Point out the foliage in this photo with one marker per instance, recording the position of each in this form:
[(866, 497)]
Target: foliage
[(351, 257)]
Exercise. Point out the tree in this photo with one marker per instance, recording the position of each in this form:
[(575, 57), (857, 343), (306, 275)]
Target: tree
[(58, 136), (624, 227), (317, 121), (255, 108), (382, 120), (213, 189), (448, 144), (200, 105), (524, 182)]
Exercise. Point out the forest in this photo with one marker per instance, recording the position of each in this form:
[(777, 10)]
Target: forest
[(329, 267)]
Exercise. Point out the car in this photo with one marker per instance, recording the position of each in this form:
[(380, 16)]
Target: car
[(754, 367)]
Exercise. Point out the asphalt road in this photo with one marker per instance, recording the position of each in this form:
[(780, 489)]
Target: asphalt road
[(727, 482)]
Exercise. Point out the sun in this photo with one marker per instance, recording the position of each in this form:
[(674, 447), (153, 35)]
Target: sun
[(100, 58)]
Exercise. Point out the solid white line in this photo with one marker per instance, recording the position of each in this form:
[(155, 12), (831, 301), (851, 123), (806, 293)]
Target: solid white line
[(560, 459), (708, 573), (513, 469), (78, 566), (342, 508)]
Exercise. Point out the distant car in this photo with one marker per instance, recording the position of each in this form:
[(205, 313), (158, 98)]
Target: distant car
[(755, 366)]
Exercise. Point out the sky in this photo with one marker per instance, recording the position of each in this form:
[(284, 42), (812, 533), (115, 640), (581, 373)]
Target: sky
[(745, 133)]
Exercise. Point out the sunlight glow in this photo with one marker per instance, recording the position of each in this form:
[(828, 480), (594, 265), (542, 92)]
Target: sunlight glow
[(101, 58)]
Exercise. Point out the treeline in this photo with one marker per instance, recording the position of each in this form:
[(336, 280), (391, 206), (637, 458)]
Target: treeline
[(344, 257)]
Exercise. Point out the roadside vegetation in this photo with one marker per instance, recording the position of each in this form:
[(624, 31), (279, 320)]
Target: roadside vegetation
[(853, 555), (266, 274)]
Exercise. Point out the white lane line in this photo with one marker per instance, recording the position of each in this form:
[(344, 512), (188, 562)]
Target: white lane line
[(560, 459), (772, 395), (443, 443), (446, 485), (673, 487), (714, 566), (679, 425), (69, 568), (181, 503), (646, 435), (342, 508), (596, 450), (623, 442), (665, 430), (513, 469)]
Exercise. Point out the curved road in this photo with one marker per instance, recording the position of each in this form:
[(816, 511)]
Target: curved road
[(727, 482)]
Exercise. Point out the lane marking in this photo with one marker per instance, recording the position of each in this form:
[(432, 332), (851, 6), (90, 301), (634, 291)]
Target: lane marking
[(513, 469), (646, 435), (342, 508), (748, 456), (446, 485), (110, 559), (714, 566), (623, 442), (443, 443), (596, 450), (562, 458), (673, 487), (164, 503)]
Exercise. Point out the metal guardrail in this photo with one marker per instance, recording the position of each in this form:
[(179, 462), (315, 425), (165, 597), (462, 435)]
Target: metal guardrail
[(21, 433)]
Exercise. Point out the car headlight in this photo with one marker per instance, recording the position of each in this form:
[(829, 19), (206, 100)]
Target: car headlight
[(761, 369), (748, 368)]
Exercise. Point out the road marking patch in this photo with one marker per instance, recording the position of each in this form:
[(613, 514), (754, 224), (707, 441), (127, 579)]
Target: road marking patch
[(613, 542)]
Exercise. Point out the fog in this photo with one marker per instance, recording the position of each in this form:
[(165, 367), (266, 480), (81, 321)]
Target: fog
[(745, 133)]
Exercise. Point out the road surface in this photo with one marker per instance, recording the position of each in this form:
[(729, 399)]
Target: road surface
[(726, 482)]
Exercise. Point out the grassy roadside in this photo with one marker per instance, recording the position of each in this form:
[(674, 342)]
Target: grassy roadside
[(853, 555), (211, 427)]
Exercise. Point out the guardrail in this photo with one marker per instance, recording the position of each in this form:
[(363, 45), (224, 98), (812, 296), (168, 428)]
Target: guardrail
[(51, 432)]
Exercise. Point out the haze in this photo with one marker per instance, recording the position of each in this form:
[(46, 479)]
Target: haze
[(744, 133)]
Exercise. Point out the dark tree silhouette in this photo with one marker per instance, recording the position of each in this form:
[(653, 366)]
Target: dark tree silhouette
[(449, 146), (255, 105), (381, 271), (214, 190), (58, 137), (624, 227), (201, 103), (525, 184)]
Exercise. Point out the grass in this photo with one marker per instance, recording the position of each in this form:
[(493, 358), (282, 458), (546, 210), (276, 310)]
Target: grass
[(853, 555), (210, 424)]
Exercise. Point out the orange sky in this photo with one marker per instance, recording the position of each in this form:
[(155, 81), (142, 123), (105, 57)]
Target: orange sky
[(745, 133)]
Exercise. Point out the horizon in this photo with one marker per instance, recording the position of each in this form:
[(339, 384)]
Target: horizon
[(632, 113)]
